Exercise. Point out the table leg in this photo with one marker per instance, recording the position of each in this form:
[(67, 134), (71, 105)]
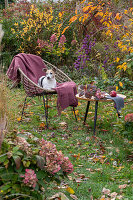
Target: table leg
[(119, 115), (95, 118), (87, 108)]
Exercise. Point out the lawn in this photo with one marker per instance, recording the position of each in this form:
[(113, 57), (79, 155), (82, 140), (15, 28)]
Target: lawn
[(102, 164)]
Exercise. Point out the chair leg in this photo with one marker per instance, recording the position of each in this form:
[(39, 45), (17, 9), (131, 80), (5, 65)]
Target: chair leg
[(74, 113), (45, 103), (23, 107)]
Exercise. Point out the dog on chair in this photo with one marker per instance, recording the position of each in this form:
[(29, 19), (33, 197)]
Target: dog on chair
[(48, 81)]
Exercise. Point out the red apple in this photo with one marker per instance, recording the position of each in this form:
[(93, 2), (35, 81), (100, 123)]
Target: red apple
[(113, 93)]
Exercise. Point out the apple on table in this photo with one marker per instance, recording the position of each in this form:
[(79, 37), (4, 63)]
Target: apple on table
[(113, 93)]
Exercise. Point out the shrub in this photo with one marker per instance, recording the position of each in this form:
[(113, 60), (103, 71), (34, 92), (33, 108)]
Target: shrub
[(27, 168)]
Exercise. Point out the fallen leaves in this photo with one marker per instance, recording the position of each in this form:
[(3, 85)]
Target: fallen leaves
[(74, 197), (70, 190), (58, 196), (42, 125), (19, 119), (108, 195), (63, 125), (122, 186), (62, 196), (105, 191)]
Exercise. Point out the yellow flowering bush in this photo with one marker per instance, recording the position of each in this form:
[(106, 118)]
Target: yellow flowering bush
[(28, 29)]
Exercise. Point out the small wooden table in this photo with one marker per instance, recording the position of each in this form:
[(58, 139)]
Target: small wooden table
[(96, 106)]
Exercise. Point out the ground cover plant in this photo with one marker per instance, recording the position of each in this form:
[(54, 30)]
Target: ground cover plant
[(101, 165)]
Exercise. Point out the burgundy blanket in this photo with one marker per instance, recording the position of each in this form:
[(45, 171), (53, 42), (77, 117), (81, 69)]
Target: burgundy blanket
[(32, 66), (66, 95)]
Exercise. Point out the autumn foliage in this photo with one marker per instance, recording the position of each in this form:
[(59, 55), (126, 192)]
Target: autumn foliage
[(102, 32)]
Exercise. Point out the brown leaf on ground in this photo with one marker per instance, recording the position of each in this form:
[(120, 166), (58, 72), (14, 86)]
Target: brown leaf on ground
[(63, 125), (106, 191), (42, 125), (122, 186), (73, 196), (119, 197), (113, 194), (59, 195)]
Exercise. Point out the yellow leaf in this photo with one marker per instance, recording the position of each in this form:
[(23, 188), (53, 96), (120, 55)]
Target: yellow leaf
[(99, 13), (86, 8), (125, 67), (79, 104), (19, 119), (83, 1), (118, 17), (93, 8), (108, 32), (76, 11), (121, 84), (70, 190), (64, 30), (126, 12), (60, 25), (60, 14), (116, 88), (73, 19), (117, 59), (80, 19), (76, 112)]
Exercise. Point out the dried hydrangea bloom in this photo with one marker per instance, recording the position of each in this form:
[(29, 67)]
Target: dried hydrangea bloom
[(67, 166), (23, 145), (129, 117), (55, 160), (30, 178)]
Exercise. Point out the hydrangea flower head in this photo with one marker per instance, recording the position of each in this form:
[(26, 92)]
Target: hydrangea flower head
[(30, 178), (129, 117)]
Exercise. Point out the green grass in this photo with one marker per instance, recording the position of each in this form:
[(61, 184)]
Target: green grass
[(99, 162)]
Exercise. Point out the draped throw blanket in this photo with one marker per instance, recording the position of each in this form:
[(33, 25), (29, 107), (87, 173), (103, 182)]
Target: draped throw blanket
[(30, 64), (66, 95)]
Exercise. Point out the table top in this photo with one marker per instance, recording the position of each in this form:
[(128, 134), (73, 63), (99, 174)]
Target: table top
[(93, 99)]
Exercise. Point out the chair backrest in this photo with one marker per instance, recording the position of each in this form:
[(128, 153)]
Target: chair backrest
[(60, 76), (32, 89)]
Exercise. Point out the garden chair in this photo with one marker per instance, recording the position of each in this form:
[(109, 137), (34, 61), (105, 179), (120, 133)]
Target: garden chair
[(33, 90)]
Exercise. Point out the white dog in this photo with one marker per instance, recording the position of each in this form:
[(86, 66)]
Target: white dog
[(48, 82)]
